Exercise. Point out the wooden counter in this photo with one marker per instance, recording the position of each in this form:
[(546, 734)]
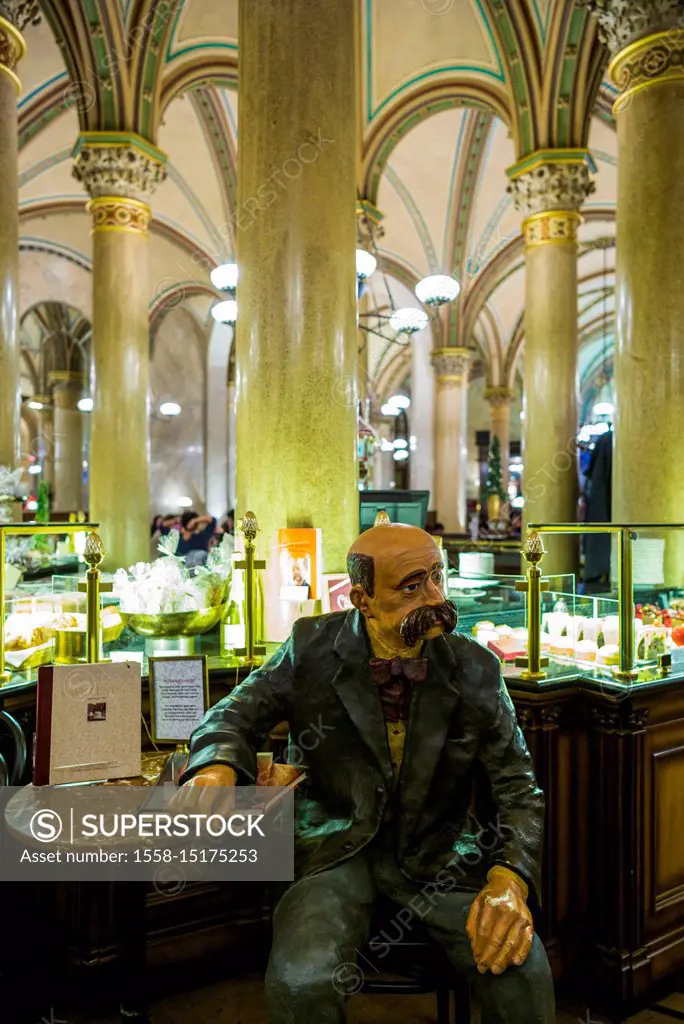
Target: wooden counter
[(611, 763)]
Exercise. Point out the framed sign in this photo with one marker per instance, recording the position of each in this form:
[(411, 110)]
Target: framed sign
[(179, 697), (336, 587)]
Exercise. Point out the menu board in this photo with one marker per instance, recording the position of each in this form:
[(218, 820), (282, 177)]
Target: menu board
[(179, 697)]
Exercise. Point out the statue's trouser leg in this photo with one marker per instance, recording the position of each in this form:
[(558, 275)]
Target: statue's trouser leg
[(319, 926), (521, 995)]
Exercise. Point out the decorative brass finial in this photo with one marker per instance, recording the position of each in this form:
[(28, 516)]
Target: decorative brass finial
[(94, 550), (534, 547), (382, 519), (249, 526)]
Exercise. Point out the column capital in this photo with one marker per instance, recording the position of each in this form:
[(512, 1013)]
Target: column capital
[(451, 366), (498, 395), (67, 388), (117, 166), (623, 22), (12, 42), (553, 181)]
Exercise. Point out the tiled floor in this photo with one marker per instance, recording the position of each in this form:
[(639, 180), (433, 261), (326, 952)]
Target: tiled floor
[(242, 1002)]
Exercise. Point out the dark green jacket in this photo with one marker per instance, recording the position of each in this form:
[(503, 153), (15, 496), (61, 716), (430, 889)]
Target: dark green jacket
[(462, 728)]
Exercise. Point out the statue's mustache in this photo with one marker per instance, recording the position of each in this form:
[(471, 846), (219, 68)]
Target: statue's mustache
[(421, 620)]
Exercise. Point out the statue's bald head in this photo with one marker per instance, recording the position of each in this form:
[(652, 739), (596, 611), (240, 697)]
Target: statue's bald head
[(398, 583), (387, 543)]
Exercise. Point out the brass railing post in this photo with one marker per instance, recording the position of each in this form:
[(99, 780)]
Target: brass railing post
[(251, 653), (626, 670), (92, 556), (533, 552)]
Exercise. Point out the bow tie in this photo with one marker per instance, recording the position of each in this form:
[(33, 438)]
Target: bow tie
[(394, 679)]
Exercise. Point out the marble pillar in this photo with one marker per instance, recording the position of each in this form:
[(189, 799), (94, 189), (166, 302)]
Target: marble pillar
[(647, 44), (296, 368), (12, 49), (499, 400), (120, 171), (549, 188), (451, 436), (232, 442), (67, 489), (421, 415), (217, 433)]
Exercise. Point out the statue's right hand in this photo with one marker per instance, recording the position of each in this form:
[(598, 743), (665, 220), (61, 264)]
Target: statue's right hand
[(217, 784)]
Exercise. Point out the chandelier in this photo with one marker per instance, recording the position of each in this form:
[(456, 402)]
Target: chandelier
[(384, 318)]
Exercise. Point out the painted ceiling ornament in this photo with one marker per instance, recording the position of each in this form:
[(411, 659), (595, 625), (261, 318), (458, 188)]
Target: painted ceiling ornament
[(123, 171), (622, 22), (498, 396), (552, 186), (20, 12)]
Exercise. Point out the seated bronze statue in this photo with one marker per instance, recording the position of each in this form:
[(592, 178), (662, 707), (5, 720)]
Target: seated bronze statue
[(399, 719)]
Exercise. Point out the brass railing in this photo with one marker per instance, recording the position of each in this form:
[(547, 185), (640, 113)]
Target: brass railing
[(93, 556), (533, 551)]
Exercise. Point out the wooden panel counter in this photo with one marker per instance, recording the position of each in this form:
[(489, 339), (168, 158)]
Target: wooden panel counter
[(611, 762)]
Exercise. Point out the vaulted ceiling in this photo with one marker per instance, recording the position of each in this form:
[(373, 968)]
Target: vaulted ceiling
[(451, 94)]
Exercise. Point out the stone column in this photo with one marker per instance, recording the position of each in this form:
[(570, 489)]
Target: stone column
[(499, 399), (232, 444), (549, 188), (451, 436), (67, 493), (296, 330), (13, 18), (647, 44), (422, 415), (120, 171), (383, 463)]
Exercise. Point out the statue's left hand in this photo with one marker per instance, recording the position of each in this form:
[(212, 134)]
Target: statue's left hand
[(499, 923)]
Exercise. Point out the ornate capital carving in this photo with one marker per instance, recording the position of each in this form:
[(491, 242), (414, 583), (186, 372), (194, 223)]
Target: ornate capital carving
[(451, 366), (118, 168), (548, 186), (12, 49), (621, 22), (653, 60), (557, 227), (498, 396), (114, 213), (368, 226), (20, 12)]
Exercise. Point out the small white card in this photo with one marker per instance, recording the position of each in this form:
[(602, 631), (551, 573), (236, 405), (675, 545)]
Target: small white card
[(179, 697)]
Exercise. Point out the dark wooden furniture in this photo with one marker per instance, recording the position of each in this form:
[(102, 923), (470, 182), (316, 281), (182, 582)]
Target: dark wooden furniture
[(611, 763)]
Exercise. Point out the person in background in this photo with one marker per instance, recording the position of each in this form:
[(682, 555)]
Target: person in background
[(161, 525), (196, 532), (228, 524)]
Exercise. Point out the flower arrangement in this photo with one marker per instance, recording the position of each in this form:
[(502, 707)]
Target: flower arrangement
[(10, 482), (167, 586)]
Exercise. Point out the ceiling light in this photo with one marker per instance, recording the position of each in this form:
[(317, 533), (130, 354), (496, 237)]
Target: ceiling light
[(603, 409), (437, 289), (518, 502), (596, 429), (34, 468), (389, 410), (401, 455), (399, 401), (32, 505), (386, 446), (225, 277), (365, 263), (225, 312), (33, 404), (184, 502), (408, 320), (584, 436), (170, 409), (85, 404), (401, 442)]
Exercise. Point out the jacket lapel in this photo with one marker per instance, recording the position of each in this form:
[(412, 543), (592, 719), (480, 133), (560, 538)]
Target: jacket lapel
[(432, 706), (355, 688)]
